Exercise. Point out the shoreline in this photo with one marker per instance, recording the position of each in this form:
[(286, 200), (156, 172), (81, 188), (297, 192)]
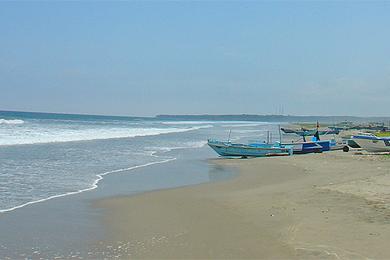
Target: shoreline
[(310, 206), (94, 185), (63, 226)]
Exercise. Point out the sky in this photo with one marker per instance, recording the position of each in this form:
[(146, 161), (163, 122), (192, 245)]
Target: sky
[(188, 57)]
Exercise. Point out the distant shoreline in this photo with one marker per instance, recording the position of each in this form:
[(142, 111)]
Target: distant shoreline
[(203, 117), (273, 118)]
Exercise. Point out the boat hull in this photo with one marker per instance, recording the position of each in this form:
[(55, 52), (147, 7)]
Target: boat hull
[(372, 143), (241, 150), (310, 147)]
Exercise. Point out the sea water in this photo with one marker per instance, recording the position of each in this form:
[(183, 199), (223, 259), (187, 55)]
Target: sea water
[(44, 156)]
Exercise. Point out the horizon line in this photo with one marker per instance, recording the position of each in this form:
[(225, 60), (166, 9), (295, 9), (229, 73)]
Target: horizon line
[(177, 115)]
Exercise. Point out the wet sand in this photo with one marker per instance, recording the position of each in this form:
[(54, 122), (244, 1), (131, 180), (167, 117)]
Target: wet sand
[(68, 227), (332, 206)]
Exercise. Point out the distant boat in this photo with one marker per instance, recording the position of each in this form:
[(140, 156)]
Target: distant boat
[(288, 131), (309, 132), (372, 143), (372, 127), (249, 150)]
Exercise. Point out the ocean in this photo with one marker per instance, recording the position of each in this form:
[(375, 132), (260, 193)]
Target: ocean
[(45, 156)]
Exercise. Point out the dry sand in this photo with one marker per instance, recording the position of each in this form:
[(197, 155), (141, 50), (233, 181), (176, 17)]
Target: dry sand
[(333, 206)]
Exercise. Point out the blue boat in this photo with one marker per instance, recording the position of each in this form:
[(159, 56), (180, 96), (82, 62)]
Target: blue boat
[(271, 149), (314, 146), (309, 147), (249, 150)]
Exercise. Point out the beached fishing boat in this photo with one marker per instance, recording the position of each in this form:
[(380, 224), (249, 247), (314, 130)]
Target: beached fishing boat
[(249, 150), (309, 147), (313, 146), (372, 143), (256, 149)]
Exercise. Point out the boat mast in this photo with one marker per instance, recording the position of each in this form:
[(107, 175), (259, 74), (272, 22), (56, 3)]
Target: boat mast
[(230, 131), (280, 135)]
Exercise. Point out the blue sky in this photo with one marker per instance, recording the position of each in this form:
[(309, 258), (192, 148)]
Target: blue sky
[(147, 58)]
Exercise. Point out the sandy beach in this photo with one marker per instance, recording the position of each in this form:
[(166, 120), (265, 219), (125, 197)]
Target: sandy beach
[(117, 118), (333, 206)]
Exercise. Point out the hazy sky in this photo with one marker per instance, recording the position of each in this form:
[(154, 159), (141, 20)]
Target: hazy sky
[(147, 58)]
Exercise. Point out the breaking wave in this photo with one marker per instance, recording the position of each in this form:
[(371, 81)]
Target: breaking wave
[(55, 135), (11, 121), (92, 187), (185, 145)]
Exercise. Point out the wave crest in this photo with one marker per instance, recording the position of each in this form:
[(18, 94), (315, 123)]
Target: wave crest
[(56, 135), (11, 121)]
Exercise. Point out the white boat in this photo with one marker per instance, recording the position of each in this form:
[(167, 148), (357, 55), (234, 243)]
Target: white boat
[(372, 143)]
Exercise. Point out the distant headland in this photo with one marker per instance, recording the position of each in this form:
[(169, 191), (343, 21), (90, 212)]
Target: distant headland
[(273, 118)]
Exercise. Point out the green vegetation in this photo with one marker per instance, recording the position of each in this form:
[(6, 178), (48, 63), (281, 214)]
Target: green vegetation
[(383, 134), (312, 125)]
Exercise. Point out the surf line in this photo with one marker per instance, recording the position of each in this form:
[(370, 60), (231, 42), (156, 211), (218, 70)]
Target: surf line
[(93, 186)]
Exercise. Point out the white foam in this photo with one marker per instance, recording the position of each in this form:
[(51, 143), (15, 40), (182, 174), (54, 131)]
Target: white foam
[(187, 122), (245, 124), (259, 132), (56, 135), (186, 145), (92, 187), (11, 121), (195, 144)]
